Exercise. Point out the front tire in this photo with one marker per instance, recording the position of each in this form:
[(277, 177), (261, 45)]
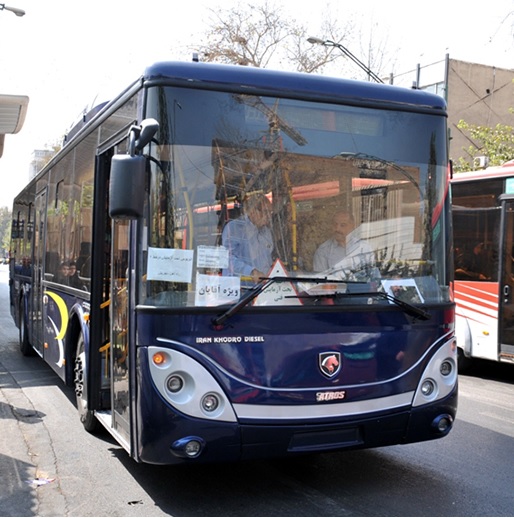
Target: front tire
[(87, 417), (25, 347), (463, 362)]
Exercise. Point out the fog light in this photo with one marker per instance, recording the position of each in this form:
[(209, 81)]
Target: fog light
[(210, 402), (174, 383), (188, 447), (427, 387), (443, 423), (446, 368), (193, 448)]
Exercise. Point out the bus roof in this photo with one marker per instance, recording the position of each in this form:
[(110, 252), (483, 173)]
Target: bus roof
[(505, 170), (312, 86), (260, 81)]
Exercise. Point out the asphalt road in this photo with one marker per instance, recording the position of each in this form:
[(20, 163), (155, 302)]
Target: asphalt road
[(49, 466)]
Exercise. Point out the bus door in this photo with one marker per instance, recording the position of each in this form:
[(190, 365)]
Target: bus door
[(120, 328), (506, 295), (108, 387), (36, 304)]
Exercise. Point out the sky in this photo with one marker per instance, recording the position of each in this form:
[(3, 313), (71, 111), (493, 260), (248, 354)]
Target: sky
[(69, 55)]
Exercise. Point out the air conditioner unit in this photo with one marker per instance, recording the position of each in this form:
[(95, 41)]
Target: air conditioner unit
[(481, 162)]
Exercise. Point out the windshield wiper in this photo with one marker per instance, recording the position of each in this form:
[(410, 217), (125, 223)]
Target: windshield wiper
[(259, 288), (410, 309)]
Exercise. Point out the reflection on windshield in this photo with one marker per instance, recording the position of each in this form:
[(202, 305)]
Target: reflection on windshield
[(269, 194)]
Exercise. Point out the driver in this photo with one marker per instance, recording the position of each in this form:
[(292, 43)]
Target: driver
[(249, 239), (343, 250)]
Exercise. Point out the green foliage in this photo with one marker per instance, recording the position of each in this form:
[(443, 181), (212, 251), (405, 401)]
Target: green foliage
[(496, 143)]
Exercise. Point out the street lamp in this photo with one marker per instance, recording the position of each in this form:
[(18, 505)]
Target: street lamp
[(15, 10), (347, 53)]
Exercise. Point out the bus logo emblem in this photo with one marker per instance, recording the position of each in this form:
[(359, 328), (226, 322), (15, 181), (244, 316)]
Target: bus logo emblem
[(330, 363)]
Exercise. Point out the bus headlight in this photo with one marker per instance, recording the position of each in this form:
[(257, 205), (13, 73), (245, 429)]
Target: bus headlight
[(440, 376), (210, 403), (428, 387), (174, 383), (446, 368), (188, 386)]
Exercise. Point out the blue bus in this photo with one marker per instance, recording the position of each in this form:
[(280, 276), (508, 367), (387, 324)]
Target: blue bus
[(195, 334)]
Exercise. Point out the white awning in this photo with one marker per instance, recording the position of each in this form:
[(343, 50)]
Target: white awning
[(13, 109)]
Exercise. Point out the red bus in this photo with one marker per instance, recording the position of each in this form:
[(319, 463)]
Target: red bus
[(483, 226)]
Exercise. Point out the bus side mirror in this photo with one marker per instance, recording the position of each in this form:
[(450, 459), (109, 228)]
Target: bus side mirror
[(127, 186), (127, 181)]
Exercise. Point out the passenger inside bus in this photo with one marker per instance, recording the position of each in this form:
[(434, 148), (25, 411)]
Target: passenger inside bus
[(62, 274), (73, 276), (342, 250), (249, 239), (472, 265), (25, 268)]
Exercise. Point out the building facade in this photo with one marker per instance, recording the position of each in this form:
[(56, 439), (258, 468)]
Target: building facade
[(478, 94)]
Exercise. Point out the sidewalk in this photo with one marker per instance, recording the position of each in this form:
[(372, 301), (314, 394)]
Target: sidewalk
[(17, 471), (26, 448)]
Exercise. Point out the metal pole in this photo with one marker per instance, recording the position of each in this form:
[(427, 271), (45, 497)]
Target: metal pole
[(347, 53), (15, 10)]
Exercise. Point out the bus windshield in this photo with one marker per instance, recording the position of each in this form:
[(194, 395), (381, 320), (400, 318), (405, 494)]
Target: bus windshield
[(333, 198)]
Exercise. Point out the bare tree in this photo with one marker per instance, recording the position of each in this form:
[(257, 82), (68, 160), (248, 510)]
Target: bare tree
[(374, 49), (261, 36), (242, 36), (314, 58)]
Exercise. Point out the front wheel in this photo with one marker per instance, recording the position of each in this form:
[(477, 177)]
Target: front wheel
[(87, 417), (463, 362), (25, 347)]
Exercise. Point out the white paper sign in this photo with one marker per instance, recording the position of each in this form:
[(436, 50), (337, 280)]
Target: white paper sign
[(280, 293), (213, 290), (215, 257), (403, 289), (169, 264)]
